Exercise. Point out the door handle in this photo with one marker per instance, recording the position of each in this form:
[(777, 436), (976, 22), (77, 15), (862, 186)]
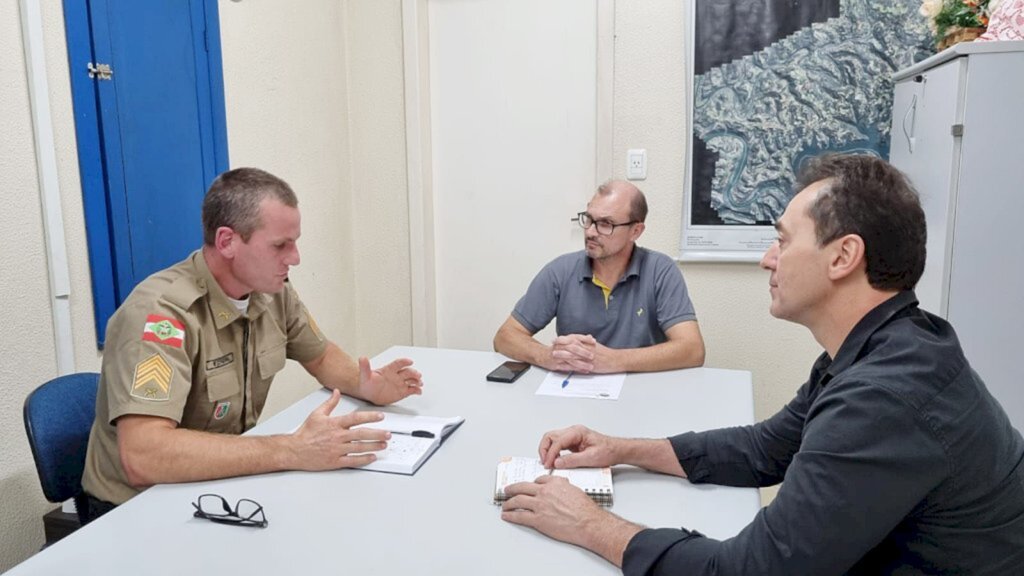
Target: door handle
[(912, 109)]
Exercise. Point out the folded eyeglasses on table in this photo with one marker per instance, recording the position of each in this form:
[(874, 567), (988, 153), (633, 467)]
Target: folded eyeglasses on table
[(215, 508)]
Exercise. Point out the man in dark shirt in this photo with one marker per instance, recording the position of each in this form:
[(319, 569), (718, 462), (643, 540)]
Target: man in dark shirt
[(894, 457)]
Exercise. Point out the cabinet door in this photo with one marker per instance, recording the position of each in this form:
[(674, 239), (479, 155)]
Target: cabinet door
[(925, 108), (986, 286)]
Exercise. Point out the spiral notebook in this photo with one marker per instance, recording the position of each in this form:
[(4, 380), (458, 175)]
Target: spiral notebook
[(595, 482)]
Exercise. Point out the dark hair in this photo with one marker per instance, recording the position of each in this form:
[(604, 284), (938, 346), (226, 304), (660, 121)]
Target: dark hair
[(233, 200), (637, 203), (867, 196)]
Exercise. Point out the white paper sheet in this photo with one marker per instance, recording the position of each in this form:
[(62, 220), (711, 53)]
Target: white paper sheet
[(597, 386)]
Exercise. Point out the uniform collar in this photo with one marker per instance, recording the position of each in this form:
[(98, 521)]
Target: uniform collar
[(872, 322), (633, 270), (223, 309)]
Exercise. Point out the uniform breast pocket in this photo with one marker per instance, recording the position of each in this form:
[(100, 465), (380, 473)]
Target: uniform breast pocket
[(271, 361), (224, 393)]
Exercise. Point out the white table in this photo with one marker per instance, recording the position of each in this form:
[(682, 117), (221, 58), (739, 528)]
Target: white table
[(442, 519)]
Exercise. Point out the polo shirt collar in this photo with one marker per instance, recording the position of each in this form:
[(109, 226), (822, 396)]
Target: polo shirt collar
[(872, 322), (633, 270), (224, 310)]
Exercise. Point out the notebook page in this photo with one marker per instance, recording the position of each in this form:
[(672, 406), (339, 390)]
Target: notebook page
[(516, 469)]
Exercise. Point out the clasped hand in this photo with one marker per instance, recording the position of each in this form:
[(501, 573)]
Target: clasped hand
[(581, 353)]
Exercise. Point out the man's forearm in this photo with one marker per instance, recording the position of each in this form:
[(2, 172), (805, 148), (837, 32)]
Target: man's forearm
[(609, 537), (684, 348), (652, 454), (181, 455), (521, 346), (336, 370), (669, 355)]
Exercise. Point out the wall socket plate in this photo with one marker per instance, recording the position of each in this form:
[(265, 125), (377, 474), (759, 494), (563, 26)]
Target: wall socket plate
[(636, 164)]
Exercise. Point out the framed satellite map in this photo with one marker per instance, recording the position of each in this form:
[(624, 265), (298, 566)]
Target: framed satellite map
[(774, 83)]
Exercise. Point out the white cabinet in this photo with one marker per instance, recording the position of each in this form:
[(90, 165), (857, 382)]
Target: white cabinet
[(958, 133)]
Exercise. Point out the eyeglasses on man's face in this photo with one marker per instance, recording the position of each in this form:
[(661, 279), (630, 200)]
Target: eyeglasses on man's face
[(215, 508), (604, 227)]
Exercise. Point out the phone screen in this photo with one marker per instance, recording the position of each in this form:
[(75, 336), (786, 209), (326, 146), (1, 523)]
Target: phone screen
[(508, 371)]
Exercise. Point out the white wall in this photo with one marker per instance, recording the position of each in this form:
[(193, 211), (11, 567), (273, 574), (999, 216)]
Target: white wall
[(513, 141), (380, 212), (286, 106), (314, 93)]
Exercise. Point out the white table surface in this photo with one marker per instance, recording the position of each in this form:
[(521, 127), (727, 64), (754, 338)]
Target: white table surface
[(442, 519)]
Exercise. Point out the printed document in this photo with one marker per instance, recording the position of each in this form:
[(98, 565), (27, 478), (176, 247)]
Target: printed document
[(597, 386)]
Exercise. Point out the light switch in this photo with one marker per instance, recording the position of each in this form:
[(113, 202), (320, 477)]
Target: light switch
[(636, 164)]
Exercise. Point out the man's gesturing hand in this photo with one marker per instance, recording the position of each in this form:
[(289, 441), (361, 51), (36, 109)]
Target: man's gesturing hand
[(326, 442)]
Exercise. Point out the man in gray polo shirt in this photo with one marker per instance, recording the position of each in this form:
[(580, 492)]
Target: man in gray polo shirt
[(619, 307)]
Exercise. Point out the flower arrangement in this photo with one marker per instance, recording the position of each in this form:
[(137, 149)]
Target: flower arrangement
[(946, 15)]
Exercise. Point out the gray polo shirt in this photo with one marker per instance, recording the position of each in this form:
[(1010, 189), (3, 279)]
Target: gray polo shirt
[(649, 299)]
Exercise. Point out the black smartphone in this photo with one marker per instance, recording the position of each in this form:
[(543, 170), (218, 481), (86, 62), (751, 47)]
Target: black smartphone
[(508, 371)]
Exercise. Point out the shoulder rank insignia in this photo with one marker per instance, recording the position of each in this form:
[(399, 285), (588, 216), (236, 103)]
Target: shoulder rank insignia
[(313, 325), (163, 330), (152, 379)]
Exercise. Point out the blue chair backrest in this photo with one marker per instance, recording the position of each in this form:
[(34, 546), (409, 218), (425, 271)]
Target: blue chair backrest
[(58, 417)]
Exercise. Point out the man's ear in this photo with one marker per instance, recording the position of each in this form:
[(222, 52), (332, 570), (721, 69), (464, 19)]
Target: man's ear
[(847, 256), (637, 230), (226, 241)]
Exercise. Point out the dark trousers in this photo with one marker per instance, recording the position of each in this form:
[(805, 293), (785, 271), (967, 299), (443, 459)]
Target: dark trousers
[(91, 508)]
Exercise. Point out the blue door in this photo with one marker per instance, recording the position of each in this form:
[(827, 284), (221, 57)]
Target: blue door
[(149, 107)]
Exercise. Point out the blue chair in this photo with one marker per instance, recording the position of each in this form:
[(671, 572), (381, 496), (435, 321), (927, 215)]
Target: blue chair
[(58, 417)]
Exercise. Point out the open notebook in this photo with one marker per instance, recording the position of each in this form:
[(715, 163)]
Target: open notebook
[(596, 482), (413, 440)]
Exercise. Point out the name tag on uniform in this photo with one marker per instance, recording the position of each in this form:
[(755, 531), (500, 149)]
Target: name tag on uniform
[(219, 362)]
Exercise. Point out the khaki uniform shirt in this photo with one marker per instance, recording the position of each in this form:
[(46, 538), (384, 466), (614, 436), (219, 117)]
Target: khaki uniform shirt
[(178, 348)]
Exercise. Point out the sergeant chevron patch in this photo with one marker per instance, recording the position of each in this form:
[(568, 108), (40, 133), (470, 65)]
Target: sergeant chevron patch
[(152, 379)]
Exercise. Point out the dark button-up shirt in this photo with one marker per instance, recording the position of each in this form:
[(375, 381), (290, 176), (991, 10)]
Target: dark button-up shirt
[(894, 458)]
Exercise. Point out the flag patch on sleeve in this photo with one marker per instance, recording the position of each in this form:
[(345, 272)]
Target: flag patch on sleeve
[(164, 330)]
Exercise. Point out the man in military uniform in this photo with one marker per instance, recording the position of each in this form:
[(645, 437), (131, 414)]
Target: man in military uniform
[(191, 353)]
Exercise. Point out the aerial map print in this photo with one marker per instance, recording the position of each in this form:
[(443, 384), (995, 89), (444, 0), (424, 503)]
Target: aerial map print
[(779, 81)]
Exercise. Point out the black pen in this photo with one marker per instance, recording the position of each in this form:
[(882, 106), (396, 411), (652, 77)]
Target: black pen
[(414, 433)]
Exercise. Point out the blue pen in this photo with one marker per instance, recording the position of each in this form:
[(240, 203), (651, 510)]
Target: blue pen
[(566, 381)]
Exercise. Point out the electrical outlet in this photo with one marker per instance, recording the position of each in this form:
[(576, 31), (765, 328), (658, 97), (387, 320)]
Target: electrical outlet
[(636, 164)]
